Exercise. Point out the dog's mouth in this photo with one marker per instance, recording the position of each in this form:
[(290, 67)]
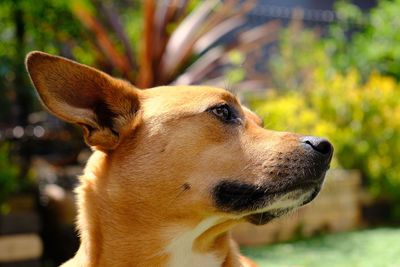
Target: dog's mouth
[(261, 204), (261, 218)]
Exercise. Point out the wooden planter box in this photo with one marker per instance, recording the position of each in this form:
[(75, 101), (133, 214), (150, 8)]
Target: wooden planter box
[(20, 243), (337, 208)]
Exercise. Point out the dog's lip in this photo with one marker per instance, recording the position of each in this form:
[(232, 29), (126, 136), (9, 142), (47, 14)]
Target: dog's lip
[(231, 196), (242, 198), (307, 184), (300, 185), (313, 195), (304, 185), (261, 218)]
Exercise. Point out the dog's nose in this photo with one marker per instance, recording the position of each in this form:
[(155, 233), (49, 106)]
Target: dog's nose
[(319, 145)]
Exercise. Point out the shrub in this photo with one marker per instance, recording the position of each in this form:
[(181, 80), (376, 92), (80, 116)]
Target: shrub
[(175, 42), (374, 42)]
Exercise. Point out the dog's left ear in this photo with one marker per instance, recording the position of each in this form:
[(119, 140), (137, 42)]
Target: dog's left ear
[(79, 94)]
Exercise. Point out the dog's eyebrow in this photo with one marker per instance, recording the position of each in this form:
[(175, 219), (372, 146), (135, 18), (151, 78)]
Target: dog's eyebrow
[(233, 90), (253, 116), (230, 98)]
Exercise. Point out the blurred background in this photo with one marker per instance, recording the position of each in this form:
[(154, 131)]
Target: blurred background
[(325, 68)]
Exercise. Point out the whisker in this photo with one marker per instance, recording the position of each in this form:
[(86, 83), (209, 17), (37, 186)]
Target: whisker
[(185, 187)]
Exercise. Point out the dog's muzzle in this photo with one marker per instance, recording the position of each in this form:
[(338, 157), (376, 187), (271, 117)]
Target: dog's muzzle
[(296, 177)]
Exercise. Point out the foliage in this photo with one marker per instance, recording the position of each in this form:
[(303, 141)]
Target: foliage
[(300, 52), (362, 119), (174, 41), (374, 42), (367, 248), (9, 173), (24, 26)]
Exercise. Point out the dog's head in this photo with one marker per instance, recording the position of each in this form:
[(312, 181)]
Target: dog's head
[(180, 152)]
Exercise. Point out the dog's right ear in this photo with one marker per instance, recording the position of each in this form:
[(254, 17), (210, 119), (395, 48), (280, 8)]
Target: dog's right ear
[(100, 104)]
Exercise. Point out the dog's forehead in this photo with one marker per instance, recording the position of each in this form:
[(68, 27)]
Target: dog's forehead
[(180, 99)]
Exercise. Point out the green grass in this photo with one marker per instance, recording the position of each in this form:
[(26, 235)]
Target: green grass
[(363, 248)]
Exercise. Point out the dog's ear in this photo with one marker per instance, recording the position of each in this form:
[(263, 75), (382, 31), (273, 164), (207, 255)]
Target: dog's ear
[(79, 94)]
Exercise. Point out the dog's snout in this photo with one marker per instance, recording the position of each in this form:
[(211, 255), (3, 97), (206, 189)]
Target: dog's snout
[(320, 145)]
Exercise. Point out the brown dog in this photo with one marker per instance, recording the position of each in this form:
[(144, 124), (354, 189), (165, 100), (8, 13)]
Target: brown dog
[(173, 168)]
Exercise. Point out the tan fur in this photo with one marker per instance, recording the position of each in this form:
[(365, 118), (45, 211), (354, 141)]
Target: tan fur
[(155, 159)]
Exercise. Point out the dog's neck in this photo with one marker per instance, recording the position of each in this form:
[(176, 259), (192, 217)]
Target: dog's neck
[(106, 240)]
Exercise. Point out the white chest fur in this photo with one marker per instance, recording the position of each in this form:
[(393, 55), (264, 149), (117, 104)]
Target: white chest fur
[(181, 251)]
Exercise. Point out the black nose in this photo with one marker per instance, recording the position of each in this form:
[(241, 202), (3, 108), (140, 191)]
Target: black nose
[(320, 145)]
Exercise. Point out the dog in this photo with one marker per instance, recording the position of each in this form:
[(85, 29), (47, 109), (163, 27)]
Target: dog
[(173, 168)]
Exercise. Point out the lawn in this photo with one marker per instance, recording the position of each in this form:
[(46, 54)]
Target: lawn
[(378, 247)]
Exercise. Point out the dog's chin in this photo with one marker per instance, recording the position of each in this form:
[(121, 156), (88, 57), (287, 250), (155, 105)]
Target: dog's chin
[(261, 218), (261, 205), (236, 197)]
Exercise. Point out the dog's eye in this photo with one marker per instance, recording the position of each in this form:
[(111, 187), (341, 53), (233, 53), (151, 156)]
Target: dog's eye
[(224, 112)]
